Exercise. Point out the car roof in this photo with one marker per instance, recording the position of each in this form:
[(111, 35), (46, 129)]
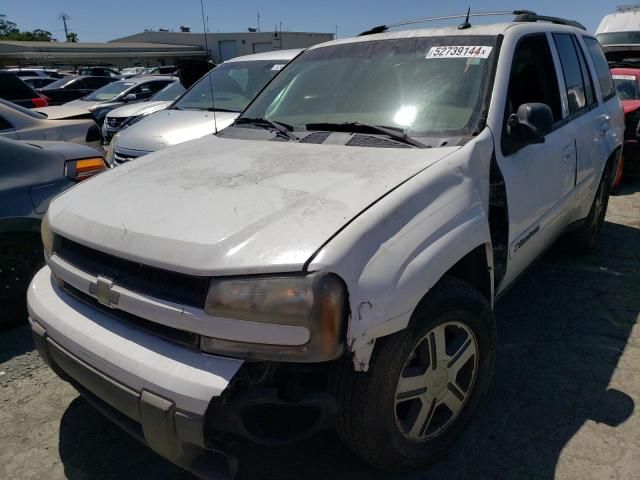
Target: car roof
[(148, 78), (273, 55), (492, 29)]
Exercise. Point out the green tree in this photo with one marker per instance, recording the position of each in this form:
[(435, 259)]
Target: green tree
[(10, 31), (72, 37)]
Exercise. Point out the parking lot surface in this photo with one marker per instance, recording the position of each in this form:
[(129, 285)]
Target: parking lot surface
[(563, 403)]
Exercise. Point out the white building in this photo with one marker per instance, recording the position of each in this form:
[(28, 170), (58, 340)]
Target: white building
[(223, 46)]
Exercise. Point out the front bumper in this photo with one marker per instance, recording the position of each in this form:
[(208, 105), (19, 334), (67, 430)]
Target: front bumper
[(157, 388)]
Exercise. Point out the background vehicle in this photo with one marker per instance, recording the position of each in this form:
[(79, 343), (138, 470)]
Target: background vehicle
[(116, 94), (20, 123), (337, 252), (127, 115), (627, 82), (35, 72), (38, 82), (16, 91), (98, 72), (71, 88), (235, 82), (162, 70), (31, 174), (132, 71)]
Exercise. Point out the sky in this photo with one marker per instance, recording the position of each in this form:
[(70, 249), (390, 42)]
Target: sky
[(99, 21)]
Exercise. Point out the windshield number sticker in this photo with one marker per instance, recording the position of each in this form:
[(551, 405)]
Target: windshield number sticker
[(471, 51), (623, 77), (277, 67)]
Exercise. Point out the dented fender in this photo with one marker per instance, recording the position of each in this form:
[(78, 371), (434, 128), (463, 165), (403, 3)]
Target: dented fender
[(392, 254)]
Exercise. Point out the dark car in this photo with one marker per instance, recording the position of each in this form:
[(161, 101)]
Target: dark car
[(31, 174), (15, 90), (71, 88), (98, 72), (38, 82)]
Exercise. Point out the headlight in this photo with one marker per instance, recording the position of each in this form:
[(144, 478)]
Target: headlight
[(110, 155), (317, 302), (48, 237)]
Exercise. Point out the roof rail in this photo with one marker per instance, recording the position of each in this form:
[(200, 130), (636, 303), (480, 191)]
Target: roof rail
[(534, 17), (521, 16)]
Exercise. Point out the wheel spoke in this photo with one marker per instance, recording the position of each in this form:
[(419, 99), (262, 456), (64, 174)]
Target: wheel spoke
[(438, 345), (461, 357), (423, 419), (409, 387), (454, 399)]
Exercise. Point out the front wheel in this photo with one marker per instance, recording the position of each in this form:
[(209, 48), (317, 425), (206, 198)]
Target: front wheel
[(424, 383)]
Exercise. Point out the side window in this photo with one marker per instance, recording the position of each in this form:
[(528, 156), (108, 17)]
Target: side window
[(533, 76), (576, 91), (95, 82), (602, 67), (143, 91), (4, 124), (79, 84), (589, 90)]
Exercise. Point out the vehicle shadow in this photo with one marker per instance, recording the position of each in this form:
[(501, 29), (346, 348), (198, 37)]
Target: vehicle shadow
[(15, 341), (561, 331)]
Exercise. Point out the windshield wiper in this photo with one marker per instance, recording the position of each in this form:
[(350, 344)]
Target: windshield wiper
[(222, 110), (396, 134), (281, 128)]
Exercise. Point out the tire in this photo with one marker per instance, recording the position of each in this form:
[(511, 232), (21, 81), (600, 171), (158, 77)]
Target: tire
[(374, 418), (584, 240), (20, 257)]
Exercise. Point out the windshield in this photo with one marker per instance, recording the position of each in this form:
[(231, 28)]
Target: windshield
[(618, 38), (234, 85), (426, 86), (626, 86), (169, 93), (110, 91)]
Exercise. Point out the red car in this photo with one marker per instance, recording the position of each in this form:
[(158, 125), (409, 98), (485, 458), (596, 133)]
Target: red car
[(627, 81)]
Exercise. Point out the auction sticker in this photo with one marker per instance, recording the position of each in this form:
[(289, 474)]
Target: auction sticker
[(460, 51), (623, 77), (277, 67)]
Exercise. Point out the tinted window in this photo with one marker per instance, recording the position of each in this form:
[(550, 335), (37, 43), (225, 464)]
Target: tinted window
[(4, 124), (170, 92), (626, 86), (12, 88), (589, 90), (96, 82), (533, 76), (572, 72), (62, 83), (602, 67), (146, 90)]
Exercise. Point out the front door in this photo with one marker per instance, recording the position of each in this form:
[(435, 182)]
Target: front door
[(539, 178)]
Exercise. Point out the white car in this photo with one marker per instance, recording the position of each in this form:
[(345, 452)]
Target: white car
[(127, 115), (335, 255), (48, 123), (194, 115)]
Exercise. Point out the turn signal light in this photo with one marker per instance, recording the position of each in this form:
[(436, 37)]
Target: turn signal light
[(82, 169)]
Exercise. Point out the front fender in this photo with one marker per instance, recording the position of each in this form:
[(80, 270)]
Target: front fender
[(394, 252)]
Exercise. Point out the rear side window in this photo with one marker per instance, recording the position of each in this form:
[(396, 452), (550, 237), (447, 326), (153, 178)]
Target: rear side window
[(602, 67), (12, 88), (96, 82), (579, 95)]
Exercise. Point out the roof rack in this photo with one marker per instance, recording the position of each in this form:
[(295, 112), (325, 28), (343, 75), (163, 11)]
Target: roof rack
[(534, 17), (521, 16)]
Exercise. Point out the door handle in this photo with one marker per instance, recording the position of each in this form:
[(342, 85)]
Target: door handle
[(567, 153), (603, 128)]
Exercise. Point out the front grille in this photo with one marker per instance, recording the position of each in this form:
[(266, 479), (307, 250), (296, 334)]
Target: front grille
[(183, 337), (115, 122), (155, 282), (119, 158)]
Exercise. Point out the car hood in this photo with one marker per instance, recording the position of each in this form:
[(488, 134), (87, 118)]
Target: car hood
[(170, 127), (217, 206), (136, 109), (88, 104), (630, 105), (61, 112)]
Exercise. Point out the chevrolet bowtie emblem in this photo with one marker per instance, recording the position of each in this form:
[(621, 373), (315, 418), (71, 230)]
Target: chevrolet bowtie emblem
[(102, 291)]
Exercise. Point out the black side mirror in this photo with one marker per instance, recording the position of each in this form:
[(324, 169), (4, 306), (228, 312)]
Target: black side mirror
[(530, 125)]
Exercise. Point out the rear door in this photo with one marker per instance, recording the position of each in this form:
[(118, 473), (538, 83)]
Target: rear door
[(580, 98), (539, 178)]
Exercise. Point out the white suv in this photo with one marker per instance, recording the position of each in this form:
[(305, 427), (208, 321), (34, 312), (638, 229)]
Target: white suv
[(334, 256)]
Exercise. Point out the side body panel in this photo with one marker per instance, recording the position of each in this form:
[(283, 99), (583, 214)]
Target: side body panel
[(394, 252)]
